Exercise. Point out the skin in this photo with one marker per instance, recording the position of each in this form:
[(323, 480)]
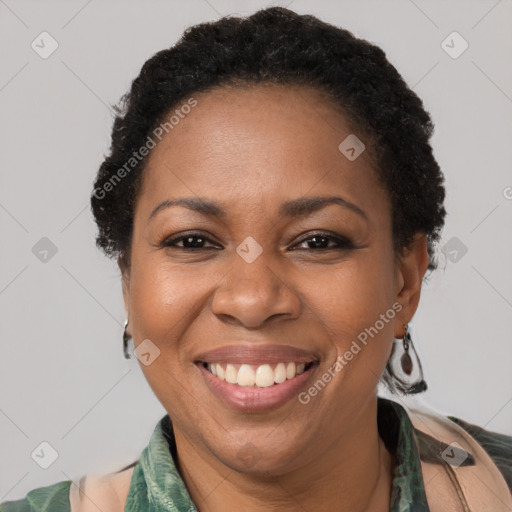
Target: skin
[(251, 149)]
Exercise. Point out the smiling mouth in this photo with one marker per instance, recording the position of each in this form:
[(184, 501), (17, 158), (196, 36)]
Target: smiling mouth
[(259, 376)]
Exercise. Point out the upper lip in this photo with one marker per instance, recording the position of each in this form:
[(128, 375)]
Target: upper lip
[(256, 354)]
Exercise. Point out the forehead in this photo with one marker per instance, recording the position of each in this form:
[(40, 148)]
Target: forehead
[(262, 142)]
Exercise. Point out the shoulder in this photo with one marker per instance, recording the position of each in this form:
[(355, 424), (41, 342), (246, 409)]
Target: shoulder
[(103, 492), (498, 446), (108, 492), (52, 498)]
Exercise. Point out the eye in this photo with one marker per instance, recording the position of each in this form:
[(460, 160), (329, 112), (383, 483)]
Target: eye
[(191, 241), (321, 240)]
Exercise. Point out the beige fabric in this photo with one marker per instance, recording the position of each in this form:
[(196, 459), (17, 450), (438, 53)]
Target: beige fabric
[(105, 493), (482, 485)]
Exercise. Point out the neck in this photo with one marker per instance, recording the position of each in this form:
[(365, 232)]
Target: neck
[(352, 474)]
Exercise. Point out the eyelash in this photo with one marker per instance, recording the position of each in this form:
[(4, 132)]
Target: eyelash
[(342, 243)]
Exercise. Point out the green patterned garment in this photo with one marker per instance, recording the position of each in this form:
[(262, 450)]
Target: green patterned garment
[(156, 485)]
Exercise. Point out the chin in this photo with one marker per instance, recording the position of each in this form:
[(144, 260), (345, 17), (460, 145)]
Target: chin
[(260, 454)]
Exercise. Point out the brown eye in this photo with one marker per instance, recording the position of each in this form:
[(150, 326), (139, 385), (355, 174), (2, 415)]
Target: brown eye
[(322, 240), (191, 242)]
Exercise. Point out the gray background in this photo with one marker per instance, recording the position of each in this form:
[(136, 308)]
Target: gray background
[(62, 375)]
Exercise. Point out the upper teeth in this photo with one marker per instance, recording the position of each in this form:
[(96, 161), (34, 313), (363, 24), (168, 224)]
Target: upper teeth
[(262, 376)]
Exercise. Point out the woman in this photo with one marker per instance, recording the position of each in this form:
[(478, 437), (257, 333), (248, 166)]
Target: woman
[(273, 203)]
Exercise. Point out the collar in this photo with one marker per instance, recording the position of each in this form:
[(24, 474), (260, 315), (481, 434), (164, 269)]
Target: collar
[(399, 435)]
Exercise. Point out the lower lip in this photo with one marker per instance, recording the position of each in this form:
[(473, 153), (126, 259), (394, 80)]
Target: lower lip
[(254, 398)]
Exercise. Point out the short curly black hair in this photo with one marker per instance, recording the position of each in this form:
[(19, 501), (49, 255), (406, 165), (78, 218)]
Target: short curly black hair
[(278, 46)]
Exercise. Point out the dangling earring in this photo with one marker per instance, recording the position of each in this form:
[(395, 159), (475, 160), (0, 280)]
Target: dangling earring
[(391, 376), (406, 360), (126, 340)]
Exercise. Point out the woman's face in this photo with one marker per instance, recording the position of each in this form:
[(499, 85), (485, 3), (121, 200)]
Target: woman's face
[(251, 290)]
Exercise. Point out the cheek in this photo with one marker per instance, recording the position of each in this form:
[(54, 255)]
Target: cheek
[(353, 296), (162, 300), (163, 304), (169, 305), (355, 305)]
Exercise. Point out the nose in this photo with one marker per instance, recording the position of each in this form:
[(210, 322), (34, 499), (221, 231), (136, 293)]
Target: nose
[(253, 293)]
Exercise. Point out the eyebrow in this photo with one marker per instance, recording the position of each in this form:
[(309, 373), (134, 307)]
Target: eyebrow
[(294, 208)]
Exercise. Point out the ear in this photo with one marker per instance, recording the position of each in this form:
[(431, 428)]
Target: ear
[(409, 277)]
